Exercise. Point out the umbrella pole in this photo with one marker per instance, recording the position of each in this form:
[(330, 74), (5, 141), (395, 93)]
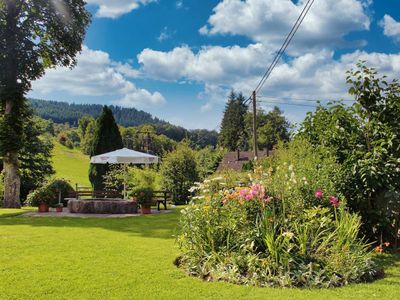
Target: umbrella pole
[(125, 175)]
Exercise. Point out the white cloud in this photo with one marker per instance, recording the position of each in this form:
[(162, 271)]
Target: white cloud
[(269, 21), (179, 4), (116, 8), (391, 28), (97, 75), (210, 64), (313, 75), (165, 34)]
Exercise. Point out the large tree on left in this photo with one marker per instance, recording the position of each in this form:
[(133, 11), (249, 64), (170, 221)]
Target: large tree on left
[(34, 35)]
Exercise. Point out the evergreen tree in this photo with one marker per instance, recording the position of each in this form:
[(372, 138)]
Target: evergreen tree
[(35, 156), (34, 35), (233, 135), (107, 138)]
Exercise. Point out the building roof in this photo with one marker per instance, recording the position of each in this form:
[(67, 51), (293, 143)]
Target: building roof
[(230, 160)]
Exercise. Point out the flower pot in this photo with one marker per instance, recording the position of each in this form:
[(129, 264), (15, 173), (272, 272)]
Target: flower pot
[(43, 208), (59, 209), (146, 210)]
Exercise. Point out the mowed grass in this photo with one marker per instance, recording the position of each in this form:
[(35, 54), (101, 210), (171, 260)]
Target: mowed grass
[(132, 258), (71, 164)]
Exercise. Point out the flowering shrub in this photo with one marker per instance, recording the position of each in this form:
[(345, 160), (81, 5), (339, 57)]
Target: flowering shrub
[(49, 192), (271, 233)]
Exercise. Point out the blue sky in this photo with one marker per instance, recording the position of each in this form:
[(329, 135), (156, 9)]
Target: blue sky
[(178, 59)]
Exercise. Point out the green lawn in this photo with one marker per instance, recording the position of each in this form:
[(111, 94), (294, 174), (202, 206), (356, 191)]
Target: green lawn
[(68, 258), (71, 164)]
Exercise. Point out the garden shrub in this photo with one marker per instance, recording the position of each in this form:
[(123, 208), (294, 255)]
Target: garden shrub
[(49, 193), (179, 172), (364, 138), (143, 195), (287, 228), (136, 177)]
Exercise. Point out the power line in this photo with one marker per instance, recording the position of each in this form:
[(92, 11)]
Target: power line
[(283, 48), (302, 99), (286, 43), (292, 104)]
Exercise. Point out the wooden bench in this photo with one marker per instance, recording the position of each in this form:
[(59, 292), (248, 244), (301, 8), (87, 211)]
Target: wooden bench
[(161, 197), (87, 192)]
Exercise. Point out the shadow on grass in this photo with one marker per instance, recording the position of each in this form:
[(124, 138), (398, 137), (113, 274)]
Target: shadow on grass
[(156, 226)]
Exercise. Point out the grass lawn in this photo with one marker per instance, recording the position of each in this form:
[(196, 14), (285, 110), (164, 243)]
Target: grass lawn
[(68, 258), (71, 164)]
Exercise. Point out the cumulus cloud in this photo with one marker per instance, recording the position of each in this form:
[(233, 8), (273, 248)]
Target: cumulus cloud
[(269, 21), (97, 75), (210, 64), (391, 28), (316, 75), (116, 8)]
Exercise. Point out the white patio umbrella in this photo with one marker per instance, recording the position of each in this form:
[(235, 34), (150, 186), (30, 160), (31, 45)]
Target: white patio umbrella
[(124, 156)]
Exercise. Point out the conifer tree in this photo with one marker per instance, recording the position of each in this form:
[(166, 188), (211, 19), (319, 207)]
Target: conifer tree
[(107, 138), (232, 135)]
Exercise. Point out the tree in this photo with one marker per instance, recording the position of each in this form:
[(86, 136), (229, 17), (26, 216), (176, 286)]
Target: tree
[(179, 172), (34, 35), (107, 138), (35, 156), (232, 135), (86, 128), (272, 127), (365, 140)]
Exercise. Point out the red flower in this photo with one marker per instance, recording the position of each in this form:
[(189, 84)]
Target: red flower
[(387, 244), (318, 194), (334, 201)]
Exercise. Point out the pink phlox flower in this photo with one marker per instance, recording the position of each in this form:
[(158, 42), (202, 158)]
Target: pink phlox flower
[(334, 201)]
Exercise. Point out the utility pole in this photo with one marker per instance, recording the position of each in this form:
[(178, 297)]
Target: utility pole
[(255, 147)]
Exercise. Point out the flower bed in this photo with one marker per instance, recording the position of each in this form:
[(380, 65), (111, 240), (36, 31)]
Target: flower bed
[(274, 232)]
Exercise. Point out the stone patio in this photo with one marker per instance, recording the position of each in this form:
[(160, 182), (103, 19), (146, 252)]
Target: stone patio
[(67, 214)]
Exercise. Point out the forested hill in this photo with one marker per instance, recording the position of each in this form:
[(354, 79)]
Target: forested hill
[(63, 112)]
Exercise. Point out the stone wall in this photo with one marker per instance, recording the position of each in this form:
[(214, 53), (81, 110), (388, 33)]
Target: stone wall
[(107, 206)]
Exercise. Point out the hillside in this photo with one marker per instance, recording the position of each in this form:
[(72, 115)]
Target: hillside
[(63, 112), (71, 164)]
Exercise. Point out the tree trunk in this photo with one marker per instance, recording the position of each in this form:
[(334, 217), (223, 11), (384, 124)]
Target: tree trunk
[(11, 98), (12, 181)]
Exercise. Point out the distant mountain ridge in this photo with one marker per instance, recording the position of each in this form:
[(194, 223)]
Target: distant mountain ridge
[(63, 112)]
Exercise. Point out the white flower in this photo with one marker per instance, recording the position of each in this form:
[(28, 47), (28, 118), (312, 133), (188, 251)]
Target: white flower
[(288, 234), (291, 168)]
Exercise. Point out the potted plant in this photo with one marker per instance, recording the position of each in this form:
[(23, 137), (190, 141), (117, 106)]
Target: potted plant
[(49, 195), (43, 207), (59, 207), (144, 197)]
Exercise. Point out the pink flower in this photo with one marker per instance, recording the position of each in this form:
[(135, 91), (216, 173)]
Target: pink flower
[(318, 194), (334, 201), (243, 193)]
